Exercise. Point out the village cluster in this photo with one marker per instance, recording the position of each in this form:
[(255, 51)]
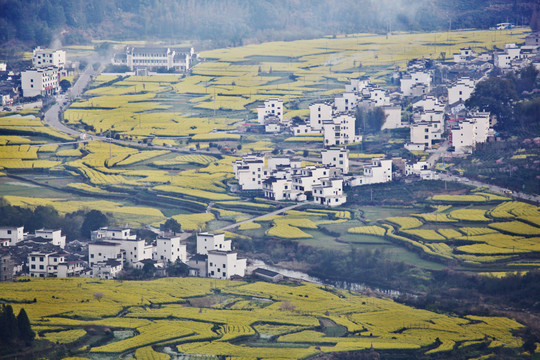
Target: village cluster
[(283, 178), (46, 254)]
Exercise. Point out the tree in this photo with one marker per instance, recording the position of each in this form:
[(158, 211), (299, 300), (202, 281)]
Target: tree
[(495, 95), (25, 329), (9, 328), (93, 220), (99, 295), (170, 225), (64, 84)]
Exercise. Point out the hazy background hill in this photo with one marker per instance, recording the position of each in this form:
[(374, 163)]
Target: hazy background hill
[(26, 23)]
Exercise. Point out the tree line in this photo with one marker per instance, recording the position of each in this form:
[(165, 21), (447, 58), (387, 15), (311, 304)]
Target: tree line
[(15, 330), (234, 22)]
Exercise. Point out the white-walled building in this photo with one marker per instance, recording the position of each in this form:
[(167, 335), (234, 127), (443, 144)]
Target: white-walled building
[(13, 234), (54, 235), (346, 102), (419, 80), (44, 264), (270, 110), (101, 251), (464, 55), (42, 81), (44, 58), (329, 192), (420, 168), (340, 130), (169, 249), (392, 117), (426, 133), (249, 171), (319, 112), (357, 85), (135, 249), (428, 103), (503, 59), (471, 131), (108, 269), (225, 264), (460, 90), (209, 241), (179, 59), (379, 171), (278, 189), (336, 157)]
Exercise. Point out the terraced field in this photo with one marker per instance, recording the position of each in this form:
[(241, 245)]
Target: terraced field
[(286, 317)]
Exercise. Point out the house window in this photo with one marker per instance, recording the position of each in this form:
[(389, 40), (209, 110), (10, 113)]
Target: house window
[(41, 267), (33, 266), (33, 258)]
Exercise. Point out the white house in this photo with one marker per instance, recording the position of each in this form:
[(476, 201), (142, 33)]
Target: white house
[(135, 249), (44, 264), (209, 241), (108, 269), (13, 234), (504, 59), (379, 171), (336, 157), (278, 188), (357, 85), (425, 133), (272, 108), (179, 59), (465, 55), (460, 90), (319, 112), (44, 58), (42, 81), (340, 130), (329, 192), (71, 268), (249, 171), (392, 117), (467, 133), (410, 80), (346, 102), (169, 249), (101, 251), (54, 235), (225, 264), (428, 103)]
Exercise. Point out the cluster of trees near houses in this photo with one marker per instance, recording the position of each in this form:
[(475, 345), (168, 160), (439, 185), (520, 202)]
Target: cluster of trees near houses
[(234, 22)]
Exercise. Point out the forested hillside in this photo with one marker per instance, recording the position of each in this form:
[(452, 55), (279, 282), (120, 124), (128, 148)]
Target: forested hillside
[(26, 23)]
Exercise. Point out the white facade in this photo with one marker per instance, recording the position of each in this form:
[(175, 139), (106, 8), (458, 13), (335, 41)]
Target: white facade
[(504, 59), (132, 249), (43, 58), (425, 133), (346, 102), (461, 90), (54, 235), (43, 81), (272, 108), (393, 117), (41, 264), (157, 57), (305, 129), (409, 81), (277, 189), (14, 234), (169, 249), (319, 112), (467, 133), (113, 233), (329, 192), (379, 171), (225, 264), (340, 130), (465, 54), (250, 171), (357, 85), (208, 241), (107, 269), (336, 157), (428, 103), (104, 250)]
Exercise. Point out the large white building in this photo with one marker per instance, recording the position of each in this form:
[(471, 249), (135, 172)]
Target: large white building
[(412, 80), (45, 264), (379, 171), (225, 264), (503, 59), (464, 55), (425, 133), (329, 192), (336, 157), (392, 117), (271, 110), (471, 131), (135, 249), (318, 113), (460, 90), (101, 251), (340, 130), (54, 235), (210, 241), (42, 81), (178, 59), (169, 248), (44, 58), (249, 171), (13, 234)]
